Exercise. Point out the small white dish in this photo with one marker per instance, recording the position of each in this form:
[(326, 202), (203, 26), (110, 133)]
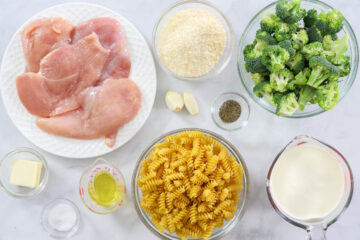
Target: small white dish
[(48, 226), (241, 122)]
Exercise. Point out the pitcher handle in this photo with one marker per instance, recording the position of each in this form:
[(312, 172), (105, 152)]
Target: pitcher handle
[(316, 234)]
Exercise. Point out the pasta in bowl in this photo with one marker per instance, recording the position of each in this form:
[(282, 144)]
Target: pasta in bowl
[(190, 184)]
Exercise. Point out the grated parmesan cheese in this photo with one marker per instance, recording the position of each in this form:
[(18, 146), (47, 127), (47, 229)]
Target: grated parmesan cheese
[(191, 42)]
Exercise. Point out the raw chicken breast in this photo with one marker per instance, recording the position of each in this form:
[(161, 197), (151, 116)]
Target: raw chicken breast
[(42, 36), (104, 109), (111, 37), (64, 73)]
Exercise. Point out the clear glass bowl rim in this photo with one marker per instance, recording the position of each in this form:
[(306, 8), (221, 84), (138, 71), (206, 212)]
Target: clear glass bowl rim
[(213, 71), (353, 71), (42, 183), (237, 155)]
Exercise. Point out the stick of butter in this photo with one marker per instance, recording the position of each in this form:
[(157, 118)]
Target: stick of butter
[(25, 173)]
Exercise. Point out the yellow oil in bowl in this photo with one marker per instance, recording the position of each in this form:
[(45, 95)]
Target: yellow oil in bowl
[(104, 190)]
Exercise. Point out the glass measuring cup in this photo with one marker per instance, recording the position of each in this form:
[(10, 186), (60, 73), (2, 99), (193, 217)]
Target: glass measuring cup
[(316, 229), (86, 186)]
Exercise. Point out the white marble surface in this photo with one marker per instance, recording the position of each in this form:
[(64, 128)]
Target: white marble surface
[(258, 142)]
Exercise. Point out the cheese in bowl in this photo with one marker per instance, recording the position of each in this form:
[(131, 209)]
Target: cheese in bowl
[(193, 40)]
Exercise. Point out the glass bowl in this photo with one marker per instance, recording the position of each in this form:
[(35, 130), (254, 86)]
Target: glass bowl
[(5, 172), (249, 35), (218, 232), (46, 222), (198, 4), (242, 121)]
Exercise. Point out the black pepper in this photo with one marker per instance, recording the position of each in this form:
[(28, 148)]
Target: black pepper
[(230, 111)]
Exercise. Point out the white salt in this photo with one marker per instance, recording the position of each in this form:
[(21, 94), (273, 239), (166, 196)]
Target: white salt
[(62, 217)]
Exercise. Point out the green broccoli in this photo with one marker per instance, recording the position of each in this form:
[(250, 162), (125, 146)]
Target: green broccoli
[(322, 69), (280, 79), (274, 58), (328, 95), (255, 65), (277, 96), (300, 79), (300, 39), (312, 49), (314, 34), (252, 55), (305, 95), (284, 31), (258, 77), (296, 63), (286, 44), (334, 36), (264, 90), (330, 22), (265, 36), (344, 66), (335, 50), (310, 18), (270, 23), (287, 105), (290, 11)]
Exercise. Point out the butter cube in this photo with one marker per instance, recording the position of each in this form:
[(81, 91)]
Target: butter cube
[(25, 173)]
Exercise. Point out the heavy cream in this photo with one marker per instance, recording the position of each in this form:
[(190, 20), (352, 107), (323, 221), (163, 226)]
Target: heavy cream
[(307, 182)]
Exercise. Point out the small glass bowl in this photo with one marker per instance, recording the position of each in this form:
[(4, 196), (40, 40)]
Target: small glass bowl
[(50, 229), (249, 35), (242, 121), (217, 232), (5, 172), (197, 4)]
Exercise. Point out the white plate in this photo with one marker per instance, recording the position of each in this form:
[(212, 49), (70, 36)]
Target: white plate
[(143, 73)]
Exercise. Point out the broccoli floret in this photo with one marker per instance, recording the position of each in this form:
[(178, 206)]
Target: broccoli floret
[(322, 69), (335, 50), (252, 55), (287, 105), (284, 31), (270, 23), (300, 39), (279, 79), (277, 96), (296, 63), (314, 34), (258, 77), (254, 65), (300, 79), (344, 66), (312, 49), (334, 37), (305, 95), (290, 11), (328, 95), (274, 58), (330, 22), (265, 36), (264, 90), (310, 18), (286, 44)]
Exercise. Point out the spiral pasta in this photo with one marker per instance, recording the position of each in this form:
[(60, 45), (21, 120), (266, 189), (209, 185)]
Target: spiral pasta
[(190, 184)]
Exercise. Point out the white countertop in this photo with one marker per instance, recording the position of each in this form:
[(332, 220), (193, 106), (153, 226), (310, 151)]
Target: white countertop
[(259, 142)]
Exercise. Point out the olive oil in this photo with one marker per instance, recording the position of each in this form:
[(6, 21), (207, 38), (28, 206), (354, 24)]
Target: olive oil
[(104, 190)]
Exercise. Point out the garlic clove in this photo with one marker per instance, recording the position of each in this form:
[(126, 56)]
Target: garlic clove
[(174, 101), (190, 103)]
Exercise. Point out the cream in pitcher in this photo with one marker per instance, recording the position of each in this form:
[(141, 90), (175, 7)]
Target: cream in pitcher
[(307, 182)]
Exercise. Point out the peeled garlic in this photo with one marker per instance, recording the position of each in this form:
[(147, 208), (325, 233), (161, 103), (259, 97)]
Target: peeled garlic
[(190, 103), (174, 101)]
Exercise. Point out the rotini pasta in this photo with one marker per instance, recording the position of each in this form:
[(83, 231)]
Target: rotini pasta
[(190, 184)]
